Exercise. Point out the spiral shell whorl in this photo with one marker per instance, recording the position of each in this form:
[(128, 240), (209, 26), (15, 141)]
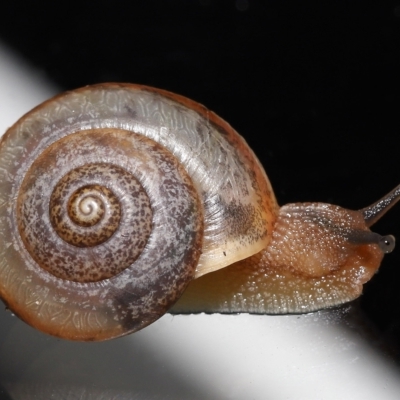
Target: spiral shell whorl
[(86, 207), (93, 183), (125, 281)]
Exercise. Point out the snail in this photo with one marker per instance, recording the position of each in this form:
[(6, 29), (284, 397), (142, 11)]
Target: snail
[(120, 202)]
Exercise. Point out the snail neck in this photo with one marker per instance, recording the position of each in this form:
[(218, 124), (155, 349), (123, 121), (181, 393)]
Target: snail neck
[(316, 239)]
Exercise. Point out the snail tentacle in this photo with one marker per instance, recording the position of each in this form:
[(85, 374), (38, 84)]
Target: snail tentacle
[(377, 210)]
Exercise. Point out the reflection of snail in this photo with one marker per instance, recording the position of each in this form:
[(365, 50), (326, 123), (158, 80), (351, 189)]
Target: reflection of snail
[(114, 197)]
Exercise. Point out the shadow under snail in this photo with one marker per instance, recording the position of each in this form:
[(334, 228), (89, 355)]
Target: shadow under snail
[(114, 197)]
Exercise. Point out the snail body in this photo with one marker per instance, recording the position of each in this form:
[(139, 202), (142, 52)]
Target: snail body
[(118, 202)]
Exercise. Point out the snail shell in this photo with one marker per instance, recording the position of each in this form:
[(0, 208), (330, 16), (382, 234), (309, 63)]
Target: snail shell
[(114, 197), (102, 226)]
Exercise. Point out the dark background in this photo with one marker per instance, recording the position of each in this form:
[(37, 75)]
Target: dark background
[(313, 86)]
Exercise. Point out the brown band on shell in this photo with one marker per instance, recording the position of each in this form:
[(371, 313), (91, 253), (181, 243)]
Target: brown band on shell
[(99, 181), (86, 215), (89, 206)]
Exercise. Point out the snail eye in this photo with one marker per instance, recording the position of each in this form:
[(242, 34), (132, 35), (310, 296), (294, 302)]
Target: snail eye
[(387, 243)]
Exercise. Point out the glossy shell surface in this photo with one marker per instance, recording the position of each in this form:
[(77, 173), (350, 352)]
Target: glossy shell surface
[(195, 197)]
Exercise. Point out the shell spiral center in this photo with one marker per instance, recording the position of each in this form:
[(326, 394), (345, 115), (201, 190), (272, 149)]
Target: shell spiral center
[(86, 215), (96, 221)]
